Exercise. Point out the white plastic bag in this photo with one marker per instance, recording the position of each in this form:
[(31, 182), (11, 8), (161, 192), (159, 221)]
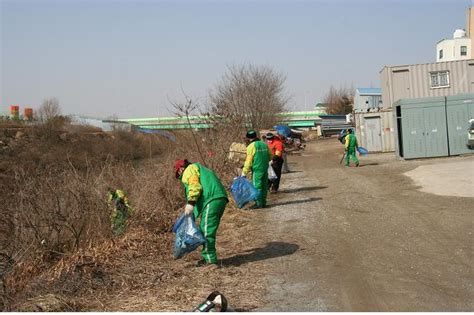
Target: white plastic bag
[(271, 173)]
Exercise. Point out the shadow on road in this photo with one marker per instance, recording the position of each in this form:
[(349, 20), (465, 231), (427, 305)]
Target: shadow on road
[(271, 250), (292, 202), (295, 190), (291, 172), (368, 164)]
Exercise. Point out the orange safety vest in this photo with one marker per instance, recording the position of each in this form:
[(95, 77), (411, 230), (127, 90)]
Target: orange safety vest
[(276, 147)]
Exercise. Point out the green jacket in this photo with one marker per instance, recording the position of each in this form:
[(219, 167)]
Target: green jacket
[(258, 156), (201, 186), (351, 142)]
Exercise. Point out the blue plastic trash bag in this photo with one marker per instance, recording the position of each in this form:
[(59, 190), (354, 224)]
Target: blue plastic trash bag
[(243, 191), (362, 151), (188, 236), (283, 130)]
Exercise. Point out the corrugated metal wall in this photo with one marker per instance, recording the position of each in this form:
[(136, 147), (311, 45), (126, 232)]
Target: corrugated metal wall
[(420, 79), (418, 76), (387, 129)]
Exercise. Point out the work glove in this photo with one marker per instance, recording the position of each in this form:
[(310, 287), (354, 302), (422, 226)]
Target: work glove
[(188, 209)]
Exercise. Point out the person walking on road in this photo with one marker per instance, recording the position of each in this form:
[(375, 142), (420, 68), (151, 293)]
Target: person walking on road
[(277, 149), (258, 156), (351, 147), (206, 197)]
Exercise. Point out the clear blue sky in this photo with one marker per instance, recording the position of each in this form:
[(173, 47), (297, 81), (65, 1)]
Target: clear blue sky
[(127, 58)]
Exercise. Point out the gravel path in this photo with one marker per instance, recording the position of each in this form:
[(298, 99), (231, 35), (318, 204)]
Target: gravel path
[(365, 239)]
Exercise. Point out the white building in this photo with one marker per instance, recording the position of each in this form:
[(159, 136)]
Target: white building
[(457, 48)]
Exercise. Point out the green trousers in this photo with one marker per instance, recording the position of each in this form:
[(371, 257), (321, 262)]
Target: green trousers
[(260, 181), (119, 221), (351, 154), (210, 219)]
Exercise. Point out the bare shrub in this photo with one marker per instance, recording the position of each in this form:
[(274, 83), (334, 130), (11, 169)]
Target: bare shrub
[(59, 210), (156, 196), (83, 128), (55, 195), (210, 147), (340, 101)]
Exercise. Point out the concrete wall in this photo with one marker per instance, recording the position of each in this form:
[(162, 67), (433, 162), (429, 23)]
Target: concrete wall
[(452, 49), (387, 132), (413, 81)]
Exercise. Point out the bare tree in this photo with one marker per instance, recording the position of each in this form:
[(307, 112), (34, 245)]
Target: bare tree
[(49, 119), (48, 110), (246, 97), (249, 97), (340, 101)]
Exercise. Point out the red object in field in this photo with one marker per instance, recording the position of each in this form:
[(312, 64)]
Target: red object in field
[(15, 111), (28, 114)]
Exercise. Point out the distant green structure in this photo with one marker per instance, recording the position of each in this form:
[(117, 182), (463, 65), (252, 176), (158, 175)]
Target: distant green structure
[(303, 119), (321, 108)]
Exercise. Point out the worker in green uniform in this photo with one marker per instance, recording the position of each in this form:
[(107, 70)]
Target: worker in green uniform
[(351, 147), (206, 197), (121, 210), (258, 157)]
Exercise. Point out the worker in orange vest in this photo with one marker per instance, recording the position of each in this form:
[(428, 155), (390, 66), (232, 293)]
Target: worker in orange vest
[(276, 148)]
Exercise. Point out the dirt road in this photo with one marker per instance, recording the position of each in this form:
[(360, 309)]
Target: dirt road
[(365, 239)]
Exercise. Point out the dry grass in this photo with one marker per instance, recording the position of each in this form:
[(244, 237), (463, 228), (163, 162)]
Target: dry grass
[(138, 273), (92, 271), (179, 286)]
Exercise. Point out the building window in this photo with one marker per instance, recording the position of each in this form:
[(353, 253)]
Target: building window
[(440, 54), (439, 79), (463, 50)]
